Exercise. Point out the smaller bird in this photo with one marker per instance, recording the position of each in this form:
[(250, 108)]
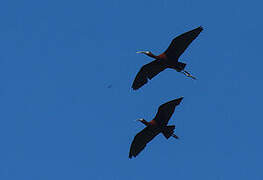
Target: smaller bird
[(154, 127), (168, 59)]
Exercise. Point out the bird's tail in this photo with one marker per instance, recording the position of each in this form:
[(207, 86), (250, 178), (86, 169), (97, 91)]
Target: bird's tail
[(168, 132), (181, 65)]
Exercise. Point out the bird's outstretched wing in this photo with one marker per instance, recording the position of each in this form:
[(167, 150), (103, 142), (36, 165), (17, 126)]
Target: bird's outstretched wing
[(148, 71), (165, 111), (180, 43), (141, 139)]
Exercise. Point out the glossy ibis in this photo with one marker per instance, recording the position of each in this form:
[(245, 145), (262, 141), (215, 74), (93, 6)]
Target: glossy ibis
[(168, 59), (154, 127)]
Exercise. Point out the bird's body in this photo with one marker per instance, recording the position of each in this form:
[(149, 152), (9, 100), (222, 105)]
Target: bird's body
[(168, 59), (167, 62), (154, 127)]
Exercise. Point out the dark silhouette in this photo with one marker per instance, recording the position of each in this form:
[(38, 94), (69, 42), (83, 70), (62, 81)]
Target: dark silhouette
[(154, 127), (168, 59)]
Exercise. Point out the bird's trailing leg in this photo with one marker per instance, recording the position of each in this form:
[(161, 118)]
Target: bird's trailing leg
[(188, 74), (176, 137)]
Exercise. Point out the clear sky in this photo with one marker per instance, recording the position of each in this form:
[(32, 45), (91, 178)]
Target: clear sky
[(59, 119)]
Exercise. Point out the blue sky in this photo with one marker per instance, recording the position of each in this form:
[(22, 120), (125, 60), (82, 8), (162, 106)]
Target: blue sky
[(59, 119)]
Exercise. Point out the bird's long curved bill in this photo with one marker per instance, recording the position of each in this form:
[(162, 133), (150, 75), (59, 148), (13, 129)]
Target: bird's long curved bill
[(140, 52)]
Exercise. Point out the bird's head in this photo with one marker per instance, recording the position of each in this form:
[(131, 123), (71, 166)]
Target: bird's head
[(148, 53), (143, 121)]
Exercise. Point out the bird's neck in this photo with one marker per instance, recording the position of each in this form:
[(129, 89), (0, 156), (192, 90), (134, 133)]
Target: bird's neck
[(146, 123), (152, 55)]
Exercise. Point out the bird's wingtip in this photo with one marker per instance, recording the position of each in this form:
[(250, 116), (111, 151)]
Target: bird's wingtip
[(180, 99), (134, 87)]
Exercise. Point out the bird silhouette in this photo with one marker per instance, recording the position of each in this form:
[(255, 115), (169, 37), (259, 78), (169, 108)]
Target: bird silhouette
[(168, 59), (154, 127)]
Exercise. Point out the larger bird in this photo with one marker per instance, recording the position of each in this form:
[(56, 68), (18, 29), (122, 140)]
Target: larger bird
[(154, 127), (168, 59)]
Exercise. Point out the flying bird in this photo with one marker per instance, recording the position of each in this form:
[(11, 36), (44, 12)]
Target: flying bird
[(168, 59), (154, 127)]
